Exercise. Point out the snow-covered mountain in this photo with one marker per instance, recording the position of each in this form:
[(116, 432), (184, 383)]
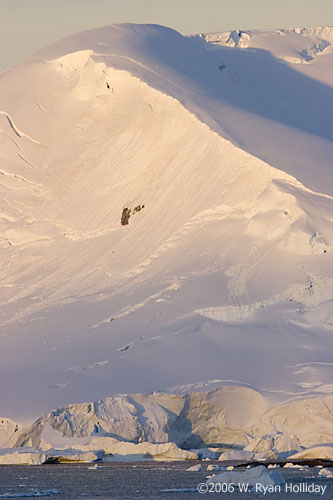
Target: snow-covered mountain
[(217, 150)]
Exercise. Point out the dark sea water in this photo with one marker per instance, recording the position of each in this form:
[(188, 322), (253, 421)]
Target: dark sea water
[(142, 480)]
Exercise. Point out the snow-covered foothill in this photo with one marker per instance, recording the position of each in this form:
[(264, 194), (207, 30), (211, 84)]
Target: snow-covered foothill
[(196, 421), (109, 448), (167, 425), (300, 423)]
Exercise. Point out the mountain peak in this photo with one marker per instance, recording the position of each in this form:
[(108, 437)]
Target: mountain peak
[(165, 217)]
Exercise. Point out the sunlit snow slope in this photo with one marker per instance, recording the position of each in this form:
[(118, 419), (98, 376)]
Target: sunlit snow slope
[(221, 147)]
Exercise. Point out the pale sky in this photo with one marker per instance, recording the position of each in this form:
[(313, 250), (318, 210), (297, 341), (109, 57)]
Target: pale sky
[(28, 25)]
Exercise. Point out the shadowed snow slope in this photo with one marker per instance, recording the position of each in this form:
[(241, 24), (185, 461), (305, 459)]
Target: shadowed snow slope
[(221, 155)]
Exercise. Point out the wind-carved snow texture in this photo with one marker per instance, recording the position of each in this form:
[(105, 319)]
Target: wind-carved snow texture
[(225, 277)]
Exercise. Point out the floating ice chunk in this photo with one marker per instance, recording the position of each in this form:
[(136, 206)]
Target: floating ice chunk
[(179, 490), (215, 467), (326, 473), (295, 466), (194, 468), (249, 476), (31, 493)]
